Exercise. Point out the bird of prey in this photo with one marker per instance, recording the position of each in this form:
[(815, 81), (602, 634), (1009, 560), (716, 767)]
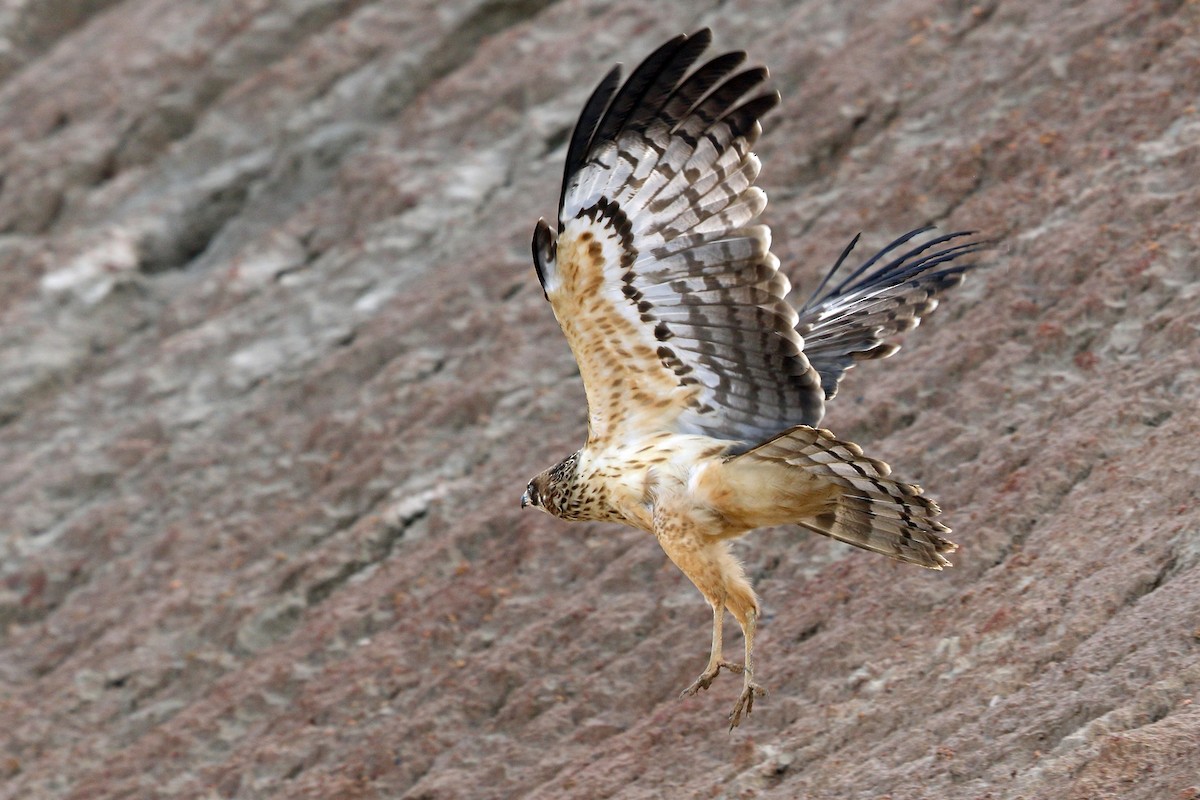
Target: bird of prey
[(704, 386)]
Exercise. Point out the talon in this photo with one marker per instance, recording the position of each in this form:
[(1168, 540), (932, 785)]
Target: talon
[(706, 678), (745, 703)]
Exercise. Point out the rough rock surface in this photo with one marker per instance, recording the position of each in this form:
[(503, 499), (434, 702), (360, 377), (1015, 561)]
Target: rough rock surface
[(274, 369)]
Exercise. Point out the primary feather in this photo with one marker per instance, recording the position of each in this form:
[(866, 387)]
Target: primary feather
[(658, 271)]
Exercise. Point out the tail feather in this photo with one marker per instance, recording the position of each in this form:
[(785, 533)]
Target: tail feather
[(867, 509)]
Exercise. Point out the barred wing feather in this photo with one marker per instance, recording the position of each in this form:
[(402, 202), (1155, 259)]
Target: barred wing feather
[(665, 288), (853, 320)]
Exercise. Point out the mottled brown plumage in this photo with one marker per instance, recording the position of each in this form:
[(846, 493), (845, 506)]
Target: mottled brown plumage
[(704, 386)]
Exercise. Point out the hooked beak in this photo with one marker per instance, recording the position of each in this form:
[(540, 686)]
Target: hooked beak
[(525, 499)]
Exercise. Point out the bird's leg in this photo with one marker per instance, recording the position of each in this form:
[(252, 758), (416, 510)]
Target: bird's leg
[(750, 689), (715, 661)]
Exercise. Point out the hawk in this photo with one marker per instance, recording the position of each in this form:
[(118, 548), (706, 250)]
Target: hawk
[(704, 386)]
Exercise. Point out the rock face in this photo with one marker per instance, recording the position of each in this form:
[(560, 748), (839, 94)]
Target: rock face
[(275, 368)]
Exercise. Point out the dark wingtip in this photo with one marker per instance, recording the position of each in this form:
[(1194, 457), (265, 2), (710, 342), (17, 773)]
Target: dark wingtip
[(907, 265), (543, 251), (585, 126)]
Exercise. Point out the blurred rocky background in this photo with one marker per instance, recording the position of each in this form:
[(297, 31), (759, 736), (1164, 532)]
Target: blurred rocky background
[(275, 368)]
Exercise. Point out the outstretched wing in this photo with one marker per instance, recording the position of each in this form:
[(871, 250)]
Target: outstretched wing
[(668, 294), (852, 321)]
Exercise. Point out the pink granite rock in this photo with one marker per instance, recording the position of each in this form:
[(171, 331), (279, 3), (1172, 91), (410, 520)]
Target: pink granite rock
[(275, 368)]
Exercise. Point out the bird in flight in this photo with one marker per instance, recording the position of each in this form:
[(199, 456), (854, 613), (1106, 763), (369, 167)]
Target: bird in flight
[(704, 386)]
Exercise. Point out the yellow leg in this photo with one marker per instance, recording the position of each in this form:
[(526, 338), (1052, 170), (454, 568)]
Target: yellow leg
[(750, 689), (715, 660)]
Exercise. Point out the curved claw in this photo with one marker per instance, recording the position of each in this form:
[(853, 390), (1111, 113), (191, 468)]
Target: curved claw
[(745, 703), (706, 678)]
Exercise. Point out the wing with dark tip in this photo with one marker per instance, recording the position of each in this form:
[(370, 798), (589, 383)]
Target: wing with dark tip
[(665, 288), (886, 295)]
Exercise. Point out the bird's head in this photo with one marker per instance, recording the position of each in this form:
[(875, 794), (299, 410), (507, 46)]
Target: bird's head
[(549, 490), (537, 492)]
